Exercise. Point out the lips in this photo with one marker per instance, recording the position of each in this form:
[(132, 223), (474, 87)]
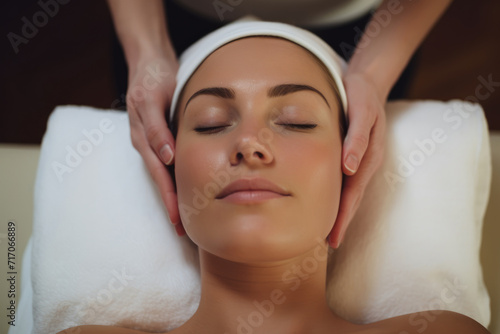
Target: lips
[(253, 184)]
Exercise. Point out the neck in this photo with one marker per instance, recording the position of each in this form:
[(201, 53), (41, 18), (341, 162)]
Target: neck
[(280, 297)]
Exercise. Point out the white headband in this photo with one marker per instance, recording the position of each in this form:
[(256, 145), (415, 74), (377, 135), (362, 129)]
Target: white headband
[(250, 26)]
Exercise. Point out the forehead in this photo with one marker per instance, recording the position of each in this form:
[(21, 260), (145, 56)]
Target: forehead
[(260, 52), (265, 46), (262, 60)]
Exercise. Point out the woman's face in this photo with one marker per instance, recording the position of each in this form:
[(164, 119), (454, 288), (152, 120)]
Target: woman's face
[(240, 122)]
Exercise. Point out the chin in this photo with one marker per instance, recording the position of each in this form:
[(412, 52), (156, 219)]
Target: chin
[(264, 233), (253, 245)]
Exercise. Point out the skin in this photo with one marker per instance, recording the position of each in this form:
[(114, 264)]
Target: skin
[(271, 252), (378, 61), (315, 154)]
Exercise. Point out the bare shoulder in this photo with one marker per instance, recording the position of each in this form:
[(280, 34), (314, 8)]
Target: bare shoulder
[(97, 329), (430, 322)]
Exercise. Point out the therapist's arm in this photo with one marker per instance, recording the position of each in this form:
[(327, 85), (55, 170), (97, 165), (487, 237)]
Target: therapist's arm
[(141, 28), (152, 63), (379, 59), (383, 57)]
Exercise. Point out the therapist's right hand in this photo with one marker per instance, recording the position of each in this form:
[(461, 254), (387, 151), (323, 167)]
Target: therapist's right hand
[(149, 95)]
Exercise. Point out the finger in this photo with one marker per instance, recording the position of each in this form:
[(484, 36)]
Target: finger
[(355, 186), (179, 228), (148, 111), (347, 202), (374, 154), (157, 133), (165, 184), (158, 172), (357, 139)]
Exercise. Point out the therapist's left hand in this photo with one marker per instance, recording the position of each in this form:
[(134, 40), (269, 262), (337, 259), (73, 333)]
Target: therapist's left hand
[(363, 148)]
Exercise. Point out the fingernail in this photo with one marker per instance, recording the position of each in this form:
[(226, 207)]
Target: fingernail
[(351, 163), (180, 230), (330, 242), (166, 154), (341, 238)]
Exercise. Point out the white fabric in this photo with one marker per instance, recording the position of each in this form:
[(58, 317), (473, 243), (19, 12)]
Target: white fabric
[(312, 13), (414, 243), (104, 251), (251, 26)]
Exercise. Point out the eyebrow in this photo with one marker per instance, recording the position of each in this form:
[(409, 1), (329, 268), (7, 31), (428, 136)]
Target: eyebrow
[(276, 91)]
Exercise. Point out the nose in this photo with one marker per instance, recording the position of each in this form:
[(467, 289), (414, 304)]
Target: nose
[(252, 149)]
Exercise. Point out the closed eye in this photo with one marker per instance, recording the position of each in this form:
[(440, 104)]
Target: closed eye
[(299, 126), (214, 129), (209, 129)]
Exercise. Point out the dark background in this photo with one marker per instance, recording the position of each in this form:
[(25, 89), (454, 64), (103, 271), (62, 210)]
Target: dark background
[(69, 61)]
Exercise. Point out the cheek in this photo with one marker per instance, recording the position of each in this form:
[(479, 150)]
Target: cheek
[(200, 173), (317, 170), (193, 162)]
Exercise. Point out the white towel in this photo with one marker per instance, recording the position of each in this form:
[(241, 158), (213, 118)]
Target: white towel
[(105, 253)]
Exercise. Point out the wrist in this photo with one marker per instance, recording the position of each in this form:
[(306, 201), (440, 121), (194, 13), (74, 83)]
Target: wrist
[(141, 50), (142, 30), (382, 89)]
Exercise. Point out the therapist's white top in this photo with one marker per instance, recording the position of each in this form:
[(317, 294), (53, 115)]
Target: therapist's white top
[(309, 13)]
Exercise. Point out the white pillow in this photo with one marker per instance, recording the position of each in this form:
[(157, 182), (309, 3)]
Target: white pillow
[(104, 251), (414, 243)]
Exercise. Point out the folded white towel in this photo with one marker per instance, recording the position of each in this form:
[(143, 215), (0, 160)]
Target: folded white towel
[(105, 253)]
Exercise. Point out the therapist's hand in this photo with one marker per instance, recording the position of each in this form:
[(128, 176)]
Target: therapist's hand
[(149, 94), (363, 148)]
